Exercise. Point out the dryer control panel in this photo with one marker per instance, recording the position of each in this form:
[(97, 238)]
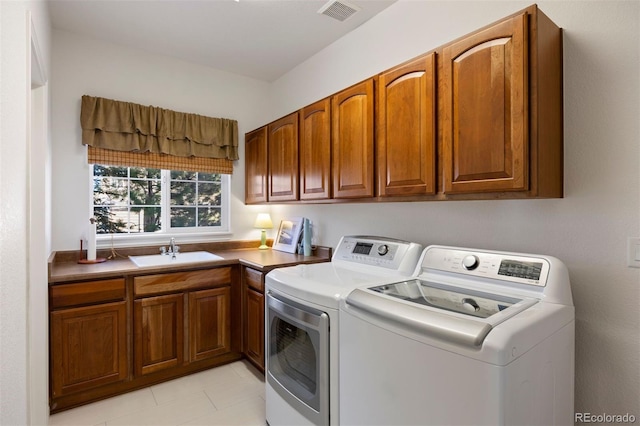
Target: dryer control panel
[(388, 253)]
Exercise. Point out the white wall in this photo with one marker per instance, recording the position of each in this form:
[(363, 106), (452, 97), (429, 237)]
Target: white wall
[(23, 365), (83, 66), (587, 229)]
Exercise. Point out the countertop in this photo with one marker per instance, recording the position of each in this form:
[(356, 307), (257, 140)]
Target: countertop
[(63, 266)]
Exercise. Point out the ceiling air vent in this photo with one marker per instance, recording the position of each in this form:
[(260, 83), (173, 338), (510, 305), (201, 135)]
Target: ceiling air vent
[(339, 10)]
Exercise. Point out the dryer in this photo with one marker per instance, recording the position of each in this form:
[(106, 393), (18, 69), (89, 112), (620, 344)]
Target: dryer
[(302, 324), (474, 337)]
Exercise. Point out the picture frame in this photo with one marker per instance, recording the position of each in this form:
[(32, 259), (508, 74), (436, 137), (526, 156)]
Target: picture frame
[(288, 235)]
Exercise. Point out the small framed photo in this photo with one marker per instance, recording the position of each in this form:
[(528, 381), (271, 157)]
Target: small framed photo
[(288, 235)]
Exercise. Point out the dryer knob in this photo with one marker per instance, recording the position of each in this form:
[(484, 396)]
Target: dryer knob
[(470, 262), (383, 249)]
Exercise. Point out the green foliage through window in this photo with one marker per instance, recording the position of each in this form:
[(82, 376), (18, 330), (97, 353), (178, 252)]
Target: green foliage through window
[(130, 199)]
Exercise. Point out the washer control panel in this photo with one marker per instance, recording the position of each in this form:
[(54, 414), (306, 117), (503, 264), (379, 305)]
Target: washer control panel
[(381, 252), (502, 266)]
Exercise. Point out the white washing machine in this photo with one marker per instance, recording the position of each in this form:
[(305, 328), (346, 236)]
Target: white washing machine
[(302, 324), (474, 337)]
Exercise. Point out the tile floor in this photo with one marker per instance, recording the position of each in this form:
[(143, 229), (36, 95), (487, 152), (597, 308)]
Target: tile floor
[(232, 394)]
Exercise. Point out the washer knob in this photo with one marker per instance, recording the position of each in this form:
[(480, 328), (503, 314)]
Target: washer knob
[(470, 305), (383, 249), (470, 262)]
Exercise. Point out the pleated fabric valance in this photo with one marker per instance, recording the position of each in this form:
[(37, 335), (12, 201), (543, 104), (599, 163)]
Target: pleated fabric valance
[(133, 128)]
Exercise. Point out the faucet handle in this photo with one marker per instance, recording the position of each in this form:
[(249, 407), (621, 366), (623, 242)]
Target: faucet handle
[(163, 250), (176, 249)]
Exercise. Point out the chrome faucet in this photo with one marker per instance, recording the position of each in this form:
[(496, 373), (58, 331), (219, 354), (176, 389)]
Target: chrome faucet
[(173, 249)]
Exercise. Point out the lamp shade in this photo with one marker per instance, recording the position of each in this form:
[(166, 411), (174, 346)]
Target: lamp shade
[(263, 221)]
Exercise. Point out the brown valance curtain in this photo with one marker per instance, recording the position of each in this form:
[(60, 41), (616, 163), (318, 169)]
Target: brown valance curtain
[(150, 132)]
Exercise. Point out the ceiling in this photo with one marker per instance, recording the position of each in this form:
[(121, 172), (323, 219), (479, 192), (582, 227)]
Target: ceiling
[(262, 39)]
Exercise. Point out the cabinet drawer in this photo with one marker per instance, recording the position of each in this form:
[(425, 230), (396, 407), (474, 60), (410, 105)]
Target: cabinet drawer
[(64, 295), (181, 281), (255, 279)]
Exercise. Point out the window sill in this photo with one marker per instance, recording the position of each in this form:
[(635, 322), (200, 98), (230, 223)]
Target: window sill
[(129, 240)]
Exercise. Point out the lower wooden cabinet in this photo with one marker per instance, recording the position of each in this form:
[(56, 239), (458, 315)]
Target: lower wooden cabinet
[(209, 323), (253, 287), (88, 347), (159, 333)]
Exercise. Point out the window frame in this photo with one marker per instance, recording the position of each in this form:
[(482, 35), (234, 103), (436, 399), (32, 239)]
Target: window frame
[(182, 234)]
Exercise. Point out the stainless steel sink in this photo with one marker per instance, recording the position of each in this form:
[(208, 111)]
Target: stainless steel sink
[(168, 259)]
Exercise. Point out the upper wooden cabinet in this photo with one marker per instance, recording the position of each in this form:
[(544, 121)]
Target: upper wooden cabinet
[(406, 128), (478, 118), (282, 152), (256, 168), (315, 151), (502, 108), (352, 141)]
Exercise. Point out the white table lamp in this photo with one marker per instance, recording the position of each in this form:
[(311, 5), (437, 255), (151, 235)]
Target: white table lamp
[(263, 221)]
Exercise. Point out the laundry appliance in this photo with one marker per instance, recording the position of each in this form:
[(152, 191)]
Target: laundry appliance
[(474, 337), (302, 324)]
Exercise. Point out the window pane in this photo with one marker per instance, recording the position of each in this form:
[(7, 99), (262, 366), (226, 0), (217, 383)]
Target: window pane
[(183, 193), (183, 217), (110, 191), (144, 173), (180, 175), (111, 220), (209, 194), (211, 216), (210, 177), (99, 170), (145, 219), (145, 192)]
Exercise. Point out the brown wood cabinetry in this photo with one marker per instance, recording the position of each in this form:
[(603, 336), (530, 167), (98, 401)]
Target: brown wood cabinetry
[(88, 336), (199, 305), (502, 108), (256, 166), (352, 129), (253, 286), (485, 93), (282, 152), (159, 333), (478, 118), (209, 323), (315, 151), (406, 128)]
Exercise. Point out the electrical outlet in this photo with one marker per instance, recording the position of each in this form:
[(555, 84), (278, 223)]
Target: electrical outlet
[(633, 252)]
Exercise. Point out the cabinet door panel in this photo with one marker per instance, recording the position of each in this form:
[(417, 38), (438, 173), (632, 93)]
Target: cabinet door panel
[(255, 326), (485, 120), (159, 333), (255, 164), (283, 159), (88, 347), (352, 141), (209, 323), (406, 129), (315, 151)]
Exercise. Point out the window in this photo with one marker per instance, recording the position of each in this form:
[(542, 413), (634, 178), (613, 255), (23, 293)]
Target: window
[(139, 200)]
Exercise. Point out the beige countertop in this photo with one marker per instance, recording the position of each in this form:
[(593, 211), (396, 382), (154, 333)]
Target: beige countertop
[(63, 266)]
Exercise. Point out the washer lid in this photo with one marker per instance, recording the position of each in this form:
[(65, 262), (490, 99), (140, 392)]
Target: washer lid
[(454, 314)]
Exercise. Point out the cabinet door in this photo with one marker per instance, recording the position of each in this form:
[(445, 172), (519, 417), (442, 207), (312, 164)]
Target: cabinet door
[(88, 347), (255, 326), (255, 163), (407, 129), (352, 141), (159, 333), (315, 151), (209, 323), (485, 115), (283, 159)]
